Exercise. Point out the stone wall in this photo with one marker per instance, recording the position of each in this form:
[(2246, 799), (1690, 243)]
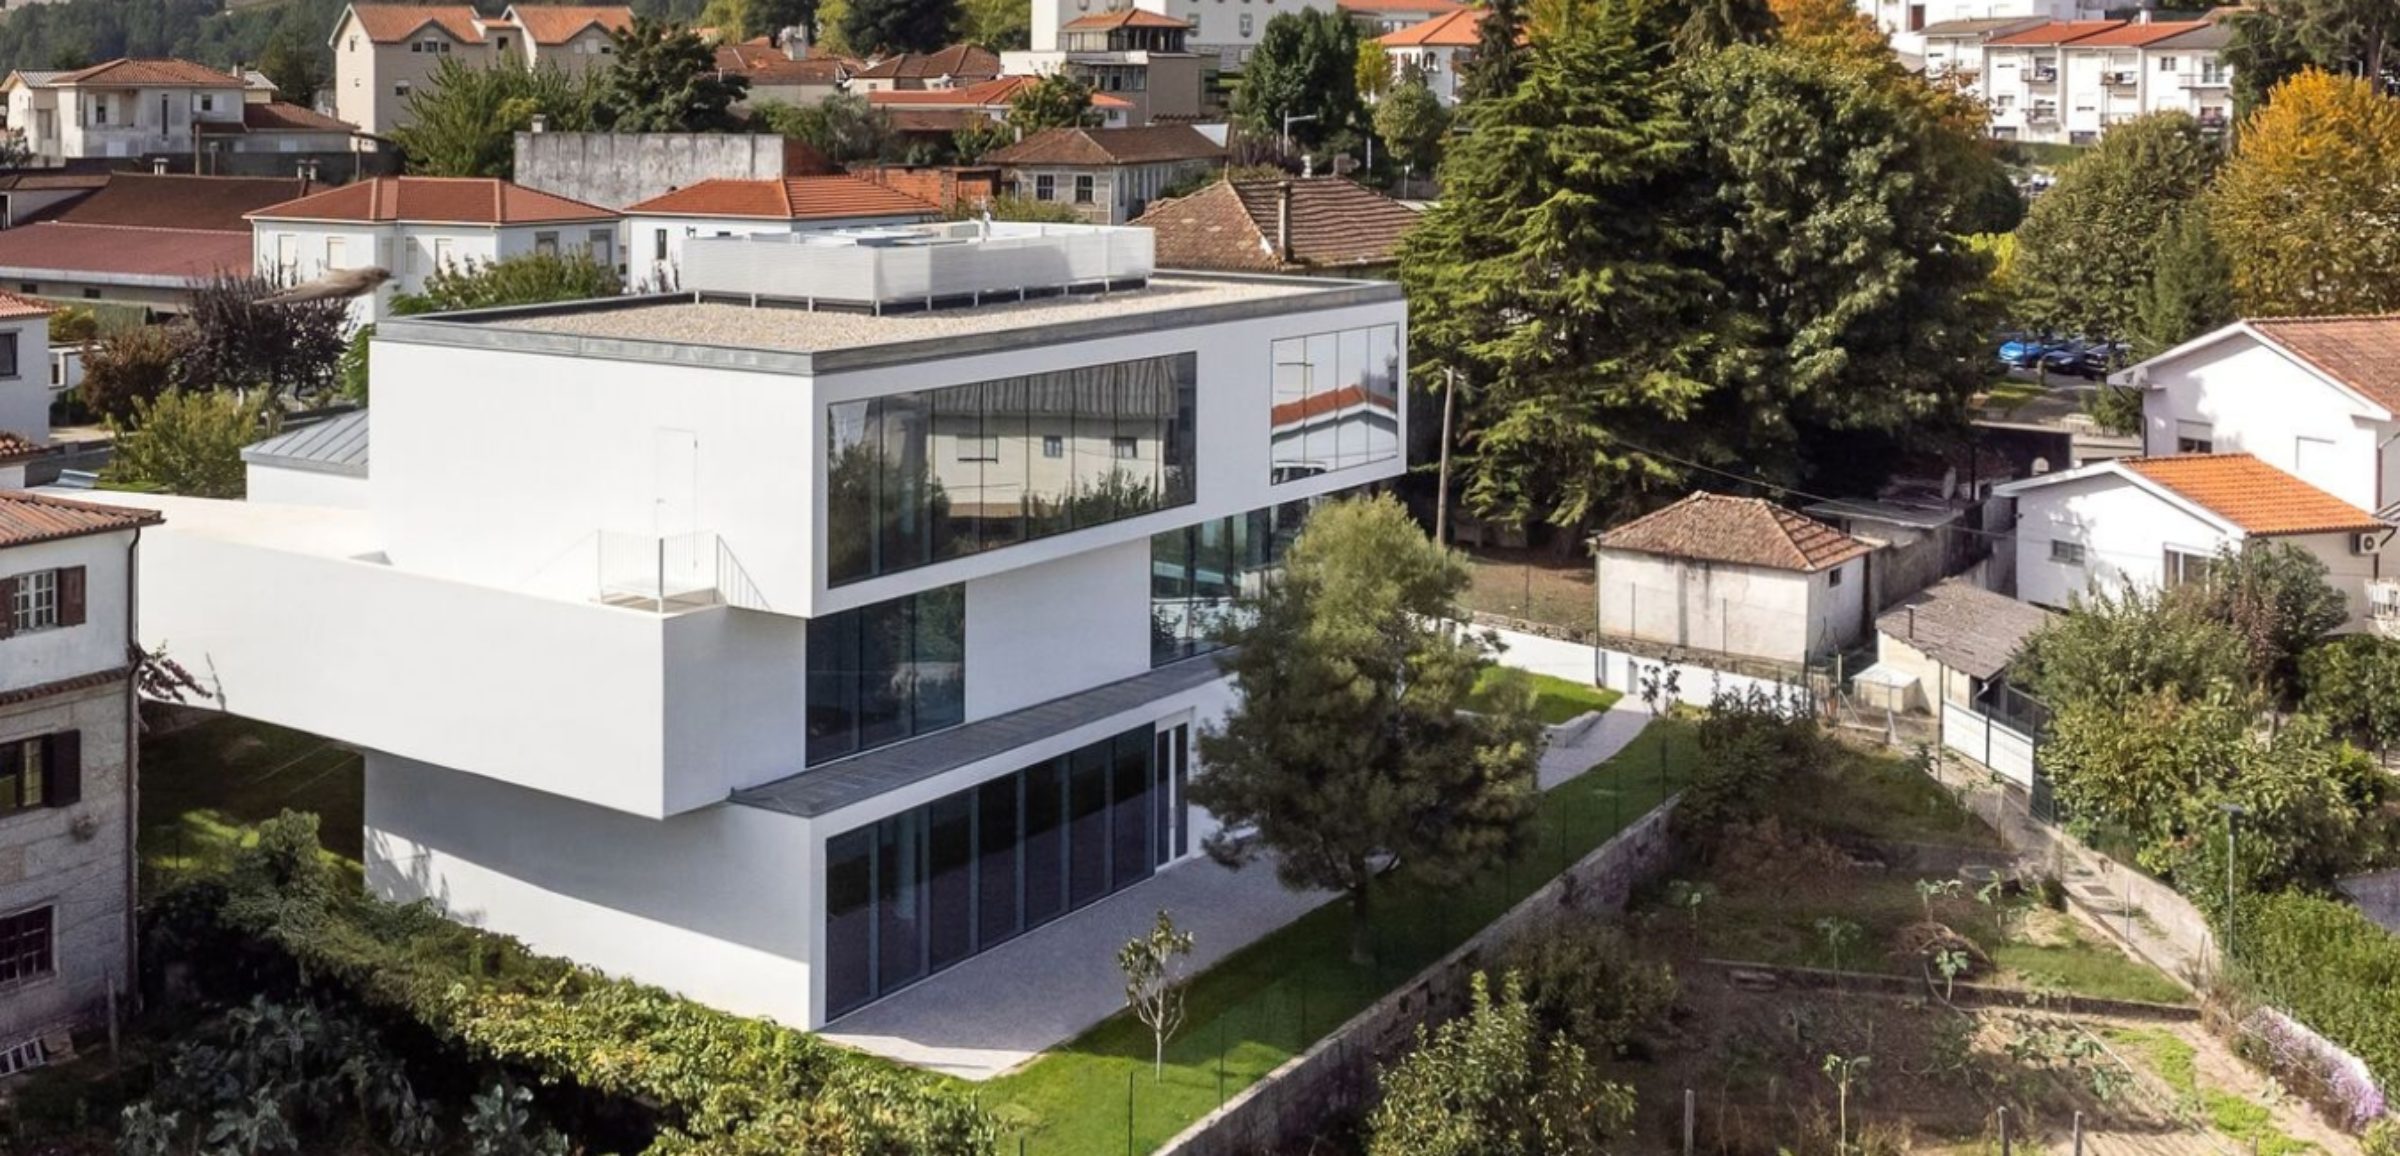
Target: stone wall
[(614, 170), (70, 859), (1339, 1072)]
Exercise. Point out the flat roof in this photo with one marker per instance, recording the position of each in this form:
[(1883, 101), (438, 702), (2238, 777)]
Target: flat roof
[(786, 337)]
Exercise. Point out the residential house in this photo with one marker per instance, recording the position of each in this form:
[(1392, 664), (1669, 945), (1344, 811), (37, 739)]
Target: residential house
[(1109, 175), (1223, 35), (1438, 50), (857, 568), (938, 115), (1946, 651), (2070, 81), (29, 196), (322, 463), (616, 169), (1741, 577), (1128, 54), (24, 385), (142, 240), (146, 107), (2155, 522), (954, 67), (413, 226), (657, 228), (1954, 49), (1911, 24), (383, 53), (777, 76), (1377, 17), (67, 865), (1321, 225)]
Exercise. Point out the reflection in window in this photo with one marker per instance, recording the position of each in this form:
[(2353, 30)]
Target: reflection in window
[(918, 478), (882, 673), (1198, 574), (1336, 401)]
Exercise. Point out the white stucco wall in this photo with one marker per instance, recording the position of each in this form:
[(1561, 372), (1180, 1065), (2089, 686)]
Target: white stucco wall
[(40, 656), (290, 487), (1779, 615), (2254, 399), (25, 395), (1039, 632), (297, 251)]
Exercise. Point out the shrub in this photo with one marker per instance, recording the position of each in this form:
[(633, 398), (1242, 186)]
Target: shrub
[(2330, 967), (129, 366), (2353, 682), (73, 325), (189, 443), (1492, 1084), (1583, 979), (525, 279), (1750, 743), (232, 340)]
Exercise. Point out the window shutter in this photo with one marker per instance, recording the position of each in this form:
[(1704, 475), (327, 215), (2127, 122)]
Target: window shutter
[(8, 606), (70, 596), (62, 770)]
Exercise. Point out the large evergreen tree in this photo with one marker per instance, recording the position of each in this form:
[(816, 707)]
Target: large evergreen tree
[(1347, 749), (1498, 65), (2191, 286), (464, 123), (896, 25), (665, 79), (2273, 40), (2095, 235), (1306, 64)]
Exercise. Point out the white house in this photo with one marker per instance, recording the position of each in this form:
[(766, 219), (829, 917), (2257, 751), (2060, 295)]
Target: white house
[(145, 107), (2070, 81), (1909, 24), (657, 228), (1224, 35), (66, 768), (1734, 576), (413, 226), (786, 640), (383, 53), (25, 388), (2157, 522), (1439, 49)]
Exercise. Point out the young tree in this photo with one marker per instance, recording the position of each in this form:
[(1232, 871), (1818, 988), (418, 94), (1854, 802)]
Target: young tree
[(525, 279), (897, 25), (1347, 749), (463, 123), (2353, 683), (127, 368), (292, 62), (189, 442), (1374, 69), (2120, 642), (1413, 123), (1057, 100), (1306, 64), (2303, 210), (232, 340), (2096, 235), (1489, 1084), (2275, 597), (664, 79), (2191, 286), (1155, 983), (996, 25)]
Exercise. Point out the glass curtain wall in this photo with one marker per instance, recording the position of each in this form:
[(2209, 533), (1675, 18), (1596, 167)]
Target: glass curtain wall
[(1336, 402), (924, 889), (918, 478), (1199, 573), (882, 673)]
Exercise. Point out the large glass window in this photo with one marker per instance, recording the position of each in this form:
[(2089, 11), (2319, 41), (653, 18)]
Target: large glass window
[(921, 890), (1336, 401), (1198, 574), (882, 673), (918, 478)]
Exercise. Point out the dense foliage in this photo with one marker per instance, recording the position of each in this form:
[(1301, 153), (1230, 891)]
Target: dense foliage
[(229, 339), (2328, 965), (2098, 236), (1583, 979), (2275, 40), (189, 442), (525, 279), (2191, 285), (1054, 101), (464, 121), (664, 78), (891, 26), (2353, 683), (1412, 122), (1492, 1083), (1750, 746), (1346, 748), (132, 365), (284, 922), (2302, 209), (843, 126), (1306, 64)]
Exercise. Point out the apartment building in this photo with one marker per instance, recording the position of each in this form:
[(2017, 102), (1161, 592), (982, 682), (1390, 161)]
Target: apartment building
[(1909, 23), (383, 53), (1377, 17), (146, 107), (1130, 55), (794, 637), (2068, 82), (1223, 34), (1437, 50), (66, 768)]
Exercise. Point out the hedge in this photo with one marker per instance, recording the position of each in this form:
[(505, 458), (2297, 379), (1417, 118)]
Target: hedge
[(2329, 967), (717, 1084)]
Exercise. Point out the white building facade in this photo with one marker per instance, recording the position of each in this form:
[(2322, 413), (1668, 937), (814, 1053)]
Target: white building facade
[(2061, 82), (781, 656), (1733, 576), (1226, 33), (657, 228), (141, 107), (384, 53)]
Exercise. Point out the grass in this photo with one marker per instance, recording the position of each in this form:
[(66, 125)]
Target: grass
[(205, 785), (1878, 796), (2086, 969), (2007, 395), (1271, 1000), (2245, 1120), (1555, 700)]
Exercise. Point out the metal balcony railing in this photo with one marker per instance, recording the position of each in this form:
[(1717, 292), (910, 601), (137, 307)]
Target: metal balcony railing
[(664, 573)]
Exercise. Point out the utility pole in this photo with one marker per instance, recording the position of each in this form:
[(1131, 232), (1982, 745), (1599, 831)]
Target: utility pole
[(1288, 121), (1441, 496), (2231, 811)]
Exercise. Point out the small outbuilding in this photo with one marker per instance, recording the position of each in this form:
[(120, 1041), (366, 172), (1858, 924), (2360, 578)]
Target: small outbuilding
[(1734, 576)]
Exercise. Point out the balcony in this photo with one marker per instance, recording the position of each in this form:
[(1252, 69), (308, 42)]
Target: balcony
[(2383, 606), (2042, 114), (670, 573), (2043, 74), (2121, 79)]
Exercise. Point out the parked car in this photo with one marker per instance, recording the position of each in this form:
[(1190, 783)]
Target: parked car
[(2064, 357), (2024, 351), (2101, 357)]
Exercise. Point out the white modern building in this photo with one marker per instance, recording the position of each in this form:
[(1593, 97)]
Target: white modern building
[(2069, 82), (148, 107), (1741, 577), (413, 226), (788, 639), (657, 228), (66, 768), (2156, 522)]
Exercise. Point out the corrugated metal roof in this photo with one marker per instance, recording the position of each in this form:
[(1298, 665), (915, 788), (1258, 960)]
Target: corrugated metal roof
[(334, 446)]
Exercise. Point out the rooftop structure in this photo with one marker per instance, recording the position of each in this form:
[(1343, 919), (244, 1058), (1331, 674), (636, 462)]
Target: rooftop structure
[(1709, 527), (1327, 224)]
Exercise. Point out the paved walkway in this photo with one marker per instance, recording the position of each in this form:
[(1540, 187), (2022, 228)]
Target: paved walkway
[(1003, 1007)]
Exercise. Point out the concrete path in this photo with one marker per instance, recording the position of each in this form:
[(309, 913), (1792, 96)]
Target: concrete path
[(1005, 1006)]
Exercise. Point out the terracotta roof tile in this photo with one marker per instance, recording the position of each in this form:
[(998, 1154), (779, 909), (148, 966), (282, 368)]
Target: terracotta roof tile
[(277, 116), (1108, 146), (28, 518), (768, 66), (15, 306), (1320, 404), (1460, 29), (2054, 33), (164, 72), (1232, 226), (175, 201), (1429, 7), (958, 60), (1122, 18), (392, 23), (104, 251), (996, 93), (790, 199), (2360, 352), (2253, 495), (16, 447), (1709, 527), (448, 200), (2136, 35), (559, 23)]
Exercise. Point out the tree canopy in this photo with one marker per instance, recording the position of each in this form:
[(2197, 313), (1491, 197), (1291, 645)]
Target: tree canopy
[(665, 79), (1057, 100), (1306, 64), (2191, 285), (2275, 40), (525, 279), (843, 126), (1492, 1083), (463, 123), (896, 25), (189, 442), (2097, 235), (1412, 122), (2303, 210)]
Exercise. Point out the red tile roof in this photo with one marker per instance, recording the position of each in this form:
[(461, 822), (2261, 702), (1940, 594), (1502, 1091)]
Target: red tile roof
[(2054, 33), (998, 92), (1232, 227), (29, 518), (559, 23), (2136, 35), (1738, 531), (14, 306), (17, 447), (176, 201), (447, 200), (791, 199), (162, 72), (1321, 404), (766, 65), (958, 60), (2360, 352), (1431, 7), (2253, 495), (277, 116), (392, 23), (1122, 18), (1460, 29), (121, 251), (1150, 144)]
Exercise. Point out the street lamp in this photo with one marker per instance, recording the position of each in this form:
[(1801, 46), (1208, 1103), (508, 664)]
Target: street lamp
[(2232, 811), (1288, 121)]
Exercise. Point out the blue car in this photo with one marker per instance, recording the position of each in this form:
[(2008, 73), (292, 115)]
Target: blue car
[(2025, 351)]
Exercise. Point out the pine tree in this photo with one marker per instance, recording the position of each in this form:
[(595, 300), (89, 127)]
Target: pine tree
[(664, 79), (897, 25), (1499, 62)]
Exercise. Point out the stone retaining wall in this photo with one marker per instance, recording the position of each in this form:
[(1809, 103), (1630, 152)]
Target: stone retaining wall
[(1339, 1072)]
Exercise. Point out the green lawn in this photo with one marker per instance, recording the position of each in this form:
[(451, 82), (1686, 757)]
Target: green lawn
[(1268, 1002), (1555, 700), (2239, 1117), (2086, 968), (202, 787), (2007, 395)]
